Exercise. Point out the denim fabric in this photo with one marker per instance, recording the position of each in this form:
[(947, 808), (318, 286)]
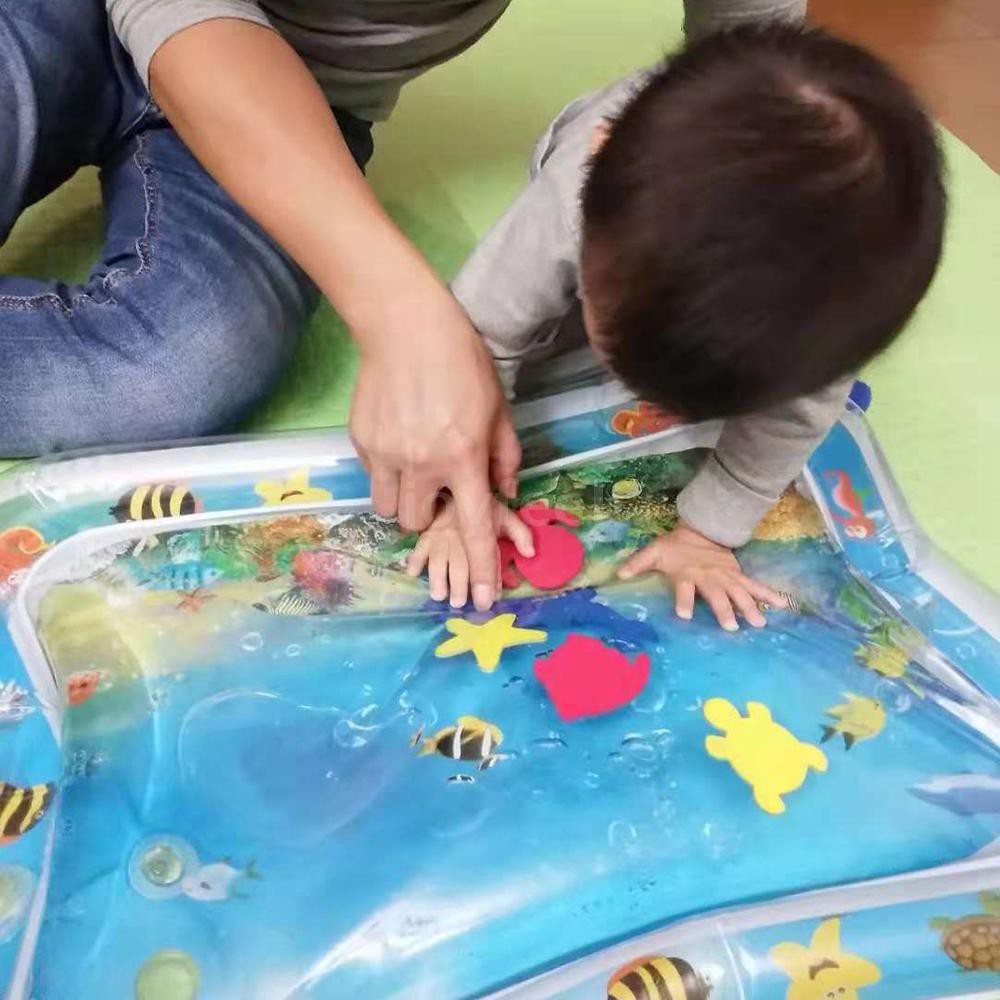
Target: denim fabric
[(190, 311)]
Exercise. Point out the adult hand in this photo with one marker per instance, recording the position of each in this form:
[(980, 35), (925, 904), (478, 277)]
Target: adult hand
[(428, 415)]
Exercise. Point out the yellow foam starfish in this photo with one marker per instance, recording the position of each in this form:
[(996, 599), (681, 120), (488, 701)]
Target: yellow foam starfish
[(294, 489), (823, 969), (486, 641)]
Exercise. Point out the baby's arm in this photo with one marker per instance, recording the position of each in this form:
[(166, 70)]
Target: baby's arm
[(442, 551), (754, 461)]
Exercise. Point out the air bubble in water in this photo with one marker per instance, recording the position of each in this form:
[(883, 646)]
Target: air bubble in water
[(293, 649), (158, 865), (894, 697), (364, 714), (663, 738), (549, 743), (665, 812), (350, 735), (705, 642), (966, 651), (592, 779), (651, 699), (622, 836), (639, 749)]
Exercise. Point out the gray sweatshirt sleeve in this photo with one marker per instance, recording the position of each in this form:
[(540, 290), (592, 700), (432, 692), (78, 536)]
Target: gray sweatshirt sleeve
[(144, 25), (754, 461), (702, 17), (523, 277)]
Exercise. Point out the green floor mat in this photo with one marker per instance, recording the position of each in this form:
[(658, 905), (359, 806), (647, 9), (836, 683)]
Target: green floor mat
[(456, 153)]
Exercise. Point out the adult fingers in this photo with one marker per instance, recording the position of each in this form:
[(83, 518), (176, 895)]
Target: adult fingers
[(474, 507), (385, 490), (458, 575), (743, 601), (512, 527), (684, 600), (417, 501), (718, 600), (505, 457)]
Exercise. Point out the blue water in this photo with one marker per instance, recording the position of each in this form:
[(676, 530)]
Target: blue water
[(286, 742)]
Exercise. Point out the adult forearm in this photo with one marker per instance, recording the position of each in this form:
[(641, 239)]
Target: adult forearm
[(248, 108)]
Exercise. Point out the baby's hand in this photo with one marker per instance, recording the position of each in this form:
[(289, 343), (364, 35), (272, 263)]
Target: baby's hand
[(441, 550), (695, 564)]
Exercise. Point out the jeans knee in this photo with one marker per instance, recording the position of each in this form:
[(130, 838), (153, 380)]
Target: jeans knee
[(202, 380), (191, 380)]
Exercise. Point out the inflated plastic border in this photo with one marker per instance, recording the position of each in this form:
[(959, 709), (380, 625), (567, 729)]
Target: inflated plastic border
[(967, 610)]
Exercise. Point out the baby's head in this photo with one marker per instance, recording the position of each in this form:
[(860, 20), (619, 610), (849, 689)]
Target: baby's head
[(761, 220)]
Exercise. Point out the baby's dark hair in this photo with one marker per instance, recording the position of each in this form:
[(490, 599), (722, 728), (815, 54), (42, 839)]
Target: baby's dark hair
[(763, 218)]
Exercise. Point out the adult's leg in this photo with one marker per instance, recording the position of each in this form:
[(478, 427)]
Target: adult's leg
[(61, 101), (191, 310), (184, 324)]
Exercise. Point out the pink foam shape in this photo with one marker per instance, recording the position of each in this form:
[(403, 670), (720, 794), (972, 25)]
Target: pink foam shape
[(585, 678)]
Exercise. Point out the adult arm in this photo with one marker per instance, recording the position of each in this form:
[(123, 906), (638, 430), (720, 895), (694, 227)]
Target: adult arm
[(428, 413)]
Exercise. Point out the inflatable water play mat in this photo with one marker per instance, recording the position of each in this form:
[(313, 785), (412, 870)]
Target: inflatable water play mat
[(244, 755)]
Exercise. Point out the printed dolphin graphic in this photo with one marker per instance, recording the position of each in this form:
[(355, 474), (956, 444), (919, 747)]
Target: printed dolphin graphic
[(963, 794)]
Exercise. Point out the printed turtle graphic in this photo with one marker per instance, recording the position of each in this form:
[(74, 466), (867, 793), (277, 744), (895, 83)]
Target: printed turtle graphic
[(973, 942), (763, 753)]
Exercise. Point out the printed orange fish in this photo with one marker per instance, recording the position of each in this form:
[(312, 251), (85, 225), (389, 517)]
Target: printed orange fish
[(645, 418), (83, 685), (19, 548)]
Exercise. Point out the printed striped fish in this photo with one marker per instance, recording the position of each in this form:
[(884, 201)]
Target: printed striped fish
[(22, 808)]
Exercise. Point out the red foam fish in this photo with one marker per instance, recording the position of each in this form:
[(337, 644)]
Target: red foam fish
[(584, 678), (559, 554), (857, 524)]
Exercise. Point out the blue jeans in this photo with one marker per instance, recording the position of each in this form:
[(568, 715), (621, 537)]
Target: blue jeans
[(191, 310)]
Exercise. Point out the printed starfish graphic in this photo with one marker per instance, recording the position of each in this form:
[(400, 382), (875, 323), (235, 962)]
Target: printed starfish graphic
[(486, 641), (823, 969), (294, 489), (194, 600)]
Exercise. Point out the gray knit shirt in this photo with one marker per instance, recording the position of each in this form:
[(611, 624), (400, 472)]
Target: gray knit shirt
[(520, 287)]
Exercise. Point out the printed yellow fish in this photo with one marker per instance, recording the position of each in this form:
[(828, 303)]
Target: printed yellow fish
[(470, 739), (857, 719)]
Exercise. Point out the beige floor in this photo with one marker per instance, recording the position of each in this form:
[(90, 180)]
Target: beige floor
[(948, 49)]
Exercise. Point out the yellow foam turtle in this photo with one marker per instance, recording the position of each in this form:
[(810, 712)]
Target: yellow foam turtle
[(766, 756)]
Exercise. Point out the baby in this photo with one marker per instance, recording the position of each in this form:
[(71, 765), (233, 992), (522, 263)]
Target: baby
[(733, 235)]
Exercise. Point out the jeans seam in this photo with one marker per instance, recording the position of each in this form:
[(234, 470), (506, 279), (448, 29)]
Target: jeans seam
[(143, 247)]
